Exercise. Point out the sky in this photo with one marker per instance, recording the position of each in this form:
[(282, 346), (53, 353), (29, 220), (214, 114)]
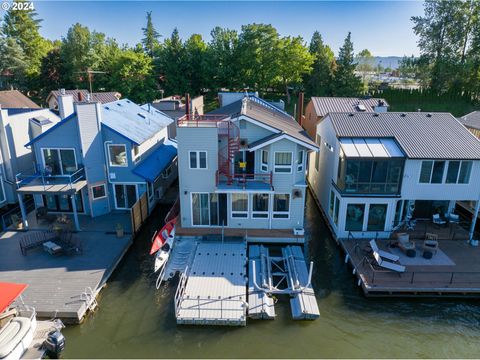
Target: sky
[(383, 27)]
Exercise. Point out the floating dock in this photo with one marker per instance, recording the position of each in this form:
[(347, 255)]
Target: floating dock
[(261, 305), (213, 290)]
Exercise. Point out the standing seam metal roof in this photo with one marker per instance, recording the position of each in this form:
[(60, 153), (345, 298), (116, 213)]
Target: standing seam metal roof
[(325, 105), (471, 120), (421, 135)]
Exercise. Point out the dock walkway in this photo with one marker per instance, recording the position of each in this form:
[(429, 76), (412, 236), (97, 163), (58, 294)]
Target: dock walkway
[(57, 284), (213, 290)]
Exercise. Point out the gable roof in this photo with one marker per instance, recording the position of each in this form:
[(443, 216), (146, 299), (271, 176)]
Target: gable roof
[(49, 130), (420, 135), (132, 121), (471, 120), (325, 105), (102, 97), (15, 99), (268, 114)]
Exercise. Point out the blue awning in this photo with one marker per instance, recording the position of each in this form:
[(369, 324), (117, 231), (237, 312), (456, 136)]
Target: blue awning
[(152, 166)]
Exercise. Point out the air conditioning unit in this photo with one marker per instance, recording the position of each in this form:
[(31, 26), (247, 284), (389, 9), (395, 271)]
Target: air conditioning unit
[(296, 193)]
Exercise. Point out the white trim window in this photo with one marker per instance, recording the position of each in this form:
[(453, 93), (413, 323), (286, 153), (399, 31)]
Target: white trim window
[(260, 206), (283, 162), (300, 160), (458, 172), (281, 206), (432, 172), (98, 191), (239, 205), (150, 191), (264, 161), (60, 161), (117, 155), (197, 159)]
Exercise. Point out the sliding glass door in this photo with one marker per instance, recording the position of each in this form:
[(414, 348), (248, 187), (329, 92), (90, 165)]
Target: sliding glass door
[(60, 161), (209, 209), (62, 203), (125, 196)]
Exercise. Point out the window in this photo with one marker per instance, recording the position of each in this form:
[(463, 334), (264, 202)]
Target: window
[(200, 211), (354, 219), (281, 206), (337, 207), (318, 141), (260, 206), (465, 171), (117, 155), (167, 172), (136, 150), (432, 172), (264, 162), (458, 172), (239, 205), (242, 124), (125, 196), (283, 162), (150, 191), (63, 203), (60, 161), (198, 159), (300, 160), (209, 209), (377, 215), (332, 203), (98, 191)]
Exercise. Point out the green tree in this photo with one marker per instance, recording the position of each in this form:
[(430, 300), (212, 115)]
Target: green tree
[(258, 56), (223, 59), (346, 82), (52, 71), (171, 60), (293, 63), (319, 81), (365, 61), (13, 63), (196, 66), (150, 36)]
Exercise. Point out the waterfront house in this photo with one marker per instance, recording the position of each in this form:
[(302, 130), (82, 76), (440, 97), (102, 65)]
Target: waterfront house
[(319, 107), (375, 171), (242, 172), (101, 158), (81, 95), (472, 122)]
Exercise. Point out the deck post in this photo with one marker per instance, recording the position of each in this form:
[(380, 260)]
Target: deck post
[(474, 220), (75, 213), (23, 211)]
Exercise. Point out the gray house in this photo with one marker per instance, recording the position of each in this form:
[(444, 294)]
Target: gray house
[(100, 158), (243, 166)]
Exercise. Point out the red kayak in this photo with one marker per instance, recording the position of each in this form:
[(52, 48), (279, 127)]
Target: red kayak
[(162, 236)]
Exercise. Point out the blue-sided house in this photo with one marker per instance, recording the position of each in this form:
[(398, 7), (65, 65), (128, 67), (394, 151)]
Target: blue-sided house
[(101, 158)]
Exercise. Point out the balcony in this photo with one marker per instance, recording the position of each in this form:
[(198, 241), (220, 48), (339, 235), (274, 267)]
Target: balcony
[(42, 183), (245, 182), (200, 120)]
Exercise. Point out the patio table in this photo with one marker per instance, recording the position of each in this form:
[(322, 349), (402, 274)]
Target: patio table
[(52, 248)]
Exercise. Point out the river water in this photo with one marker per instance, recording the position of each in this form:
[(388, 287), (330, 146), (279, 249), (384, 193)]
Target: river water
[(135, 320)]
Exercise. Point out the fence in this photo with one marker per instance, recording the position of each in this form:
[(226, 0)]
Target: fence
[(139, 213)]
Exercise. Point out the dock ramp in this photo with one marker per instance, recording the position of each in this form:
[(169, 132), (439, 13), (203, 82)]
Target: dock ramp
[(213, 290)]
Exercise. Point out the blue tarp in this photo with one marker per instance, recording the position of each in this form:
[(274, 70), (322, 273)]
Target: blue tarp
[(151, 167)]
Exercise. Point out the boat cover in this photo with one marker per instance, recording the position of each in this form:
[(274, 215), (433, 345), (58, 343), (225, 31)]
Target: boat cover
[(12, 334), (8, 293)]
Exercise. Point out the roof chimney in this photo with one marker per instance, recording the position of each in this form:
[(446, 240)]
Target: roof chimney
[(80, 96), (300, 108), (187, 104), (65, 104)]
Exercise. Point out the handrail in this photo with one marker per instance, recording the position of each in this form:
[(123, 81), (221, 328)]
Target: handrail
[(189, 120), (69, 179)]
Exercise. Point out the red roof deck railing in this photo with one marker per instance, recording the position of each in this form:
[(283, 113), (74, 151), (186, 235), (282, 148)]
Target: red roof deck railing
[(188, 120)]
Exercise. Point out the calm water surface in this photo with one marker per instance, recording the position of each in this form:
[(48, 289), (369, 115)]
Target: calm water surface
[(137, 321)]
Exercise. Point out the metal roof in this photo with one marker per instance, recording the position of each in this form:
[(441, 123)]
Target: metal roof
[(420, 135), (15, 99), (133, 121), (102, 97), (325, 105), (152, 166), (471, 120)]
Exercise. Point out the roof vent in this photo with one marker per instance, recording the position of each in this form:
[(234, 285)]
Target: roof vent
[(375, 115), (350, 114), (142, 116), (361, 107), (62, 91), (429, 115), (118, 104), (403, 114)]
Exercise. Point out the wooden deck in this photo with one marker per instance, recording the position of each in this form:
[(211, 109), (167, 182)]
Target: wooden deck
[(454, 271), (37, 187), (57, 282)]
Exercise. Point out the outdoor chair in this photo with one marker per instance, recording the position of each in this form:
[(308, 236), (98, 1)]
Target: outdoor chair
[(431, 243), (383, 254), (387, 264), (407, 246), (437, 220), (31, 241), (453, 218)]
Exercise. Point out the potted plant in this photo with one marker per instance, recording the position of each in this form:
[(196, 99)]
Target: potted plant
[(119, 229)]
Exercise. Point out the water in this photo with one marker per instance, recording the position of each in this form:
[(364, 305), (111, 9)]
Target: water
[(137, 321)]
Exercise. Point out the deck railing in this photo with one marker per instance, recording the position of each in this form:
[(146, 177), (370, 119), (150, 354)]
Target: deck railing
[(200, 120), (243, 179), (43, 179)]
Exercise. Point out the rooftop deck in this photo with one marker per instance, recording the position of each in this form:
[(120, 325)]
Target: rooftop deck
[(57, 282), (453, 271)]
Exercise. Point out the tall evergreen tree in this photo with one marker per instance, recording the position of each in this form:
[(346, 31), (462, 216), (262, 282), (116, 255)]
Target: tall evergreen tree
[(171, 61), (346, 83), (319, 81), (13, 64), (223, 59), (196, 64), (150, 36)]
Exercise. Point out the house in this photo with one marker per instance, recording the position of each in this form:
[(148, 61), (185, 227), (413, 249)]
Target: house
[(376, 171), (18, 126), (14, 99), (319, 107), (101, 158), (242, 167), (472, 122), (81, 95)]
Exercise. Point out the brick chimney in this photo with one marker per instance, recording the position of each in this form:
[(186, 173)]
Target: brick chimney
[(300, 108), (187, 104)]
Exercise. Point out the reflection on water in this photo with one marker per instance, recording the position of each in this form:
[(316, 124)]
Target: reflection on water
[(137, 321)]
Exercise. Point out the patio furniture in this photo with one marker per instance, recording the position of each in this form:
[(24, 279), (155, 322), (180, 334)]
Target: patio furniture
[(430, 244), (71, 245), (453, 218), (387, 264), (31, 241), (407, 246), (383, 254), (427, 255), (437, 220), (52, 248), (41, 213)]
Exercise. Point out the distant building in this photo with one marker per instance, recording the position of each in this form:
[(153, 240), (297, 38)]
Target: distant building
[(472, 122), (14, 99), (319, 107), (81, 95)]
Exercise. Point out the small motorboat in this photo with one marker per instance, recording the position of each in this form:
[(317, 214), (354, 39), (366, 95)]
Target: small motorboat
[(163, 254)]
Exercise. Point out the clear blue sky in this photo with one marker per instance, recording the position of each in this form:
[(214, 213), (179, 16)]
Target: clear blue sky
[(383, 27)]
